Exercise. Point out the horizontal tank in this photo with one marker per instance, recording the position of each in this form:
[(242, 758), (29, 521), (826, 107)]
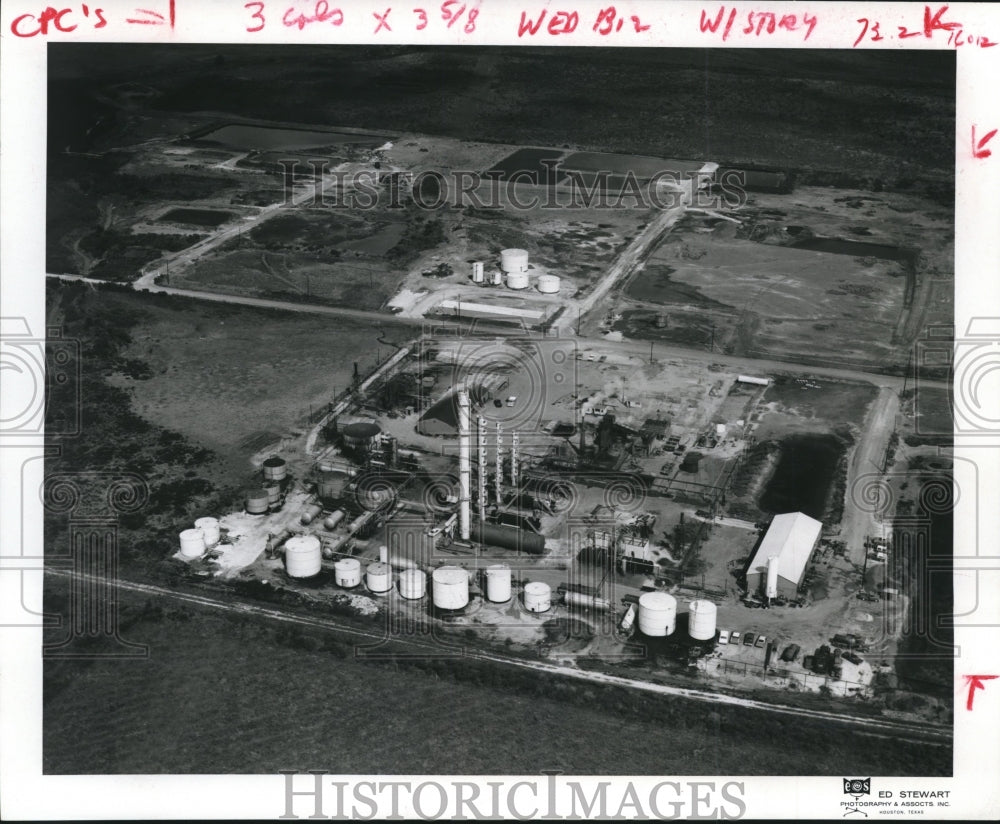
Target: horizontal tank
[(628, 618), (256, 501), (498, 577), (586, 600), (378, 578), (548, 284), (210, 527), (347, 572), (509, 537), (303, 556), (333, 519), (513, 260), (275, 469), (537, 596), (517, 280), (402, 562), (412, 584), (701, 620), (657, 614), (310, 513), (450, 587), (359, 522), (192, 543), (275, 540)]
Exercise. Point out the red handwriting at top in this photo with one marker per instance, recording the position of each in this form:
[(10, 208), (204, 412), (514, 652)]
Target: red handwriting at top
[(154, 18), (383, 20), (975, 682), (607, 21), (978, 150), (933, 22), (51, 19), (321, 13), (757, 23)]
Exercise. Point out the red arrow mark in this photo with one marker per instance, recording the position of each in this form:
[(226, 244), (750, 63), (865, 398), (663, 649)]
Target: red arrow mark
[(975, 682), (977, 147)]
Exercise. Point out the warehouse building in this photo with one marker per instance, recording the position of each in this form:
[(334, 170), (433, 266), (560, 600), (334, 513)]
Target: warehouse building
[(791, 539)]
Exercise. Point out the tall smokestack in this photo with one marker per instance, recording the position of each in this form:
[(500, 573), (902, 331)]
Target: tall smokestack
[(499, 476), (464, 460), (482, 465)]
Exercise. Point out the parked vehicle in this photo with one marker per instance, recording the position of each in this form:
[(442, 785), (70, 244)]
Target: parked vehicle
[(761, 640), (734, 637), (853, 658), (724, 636), (748, 639), (791, 652)]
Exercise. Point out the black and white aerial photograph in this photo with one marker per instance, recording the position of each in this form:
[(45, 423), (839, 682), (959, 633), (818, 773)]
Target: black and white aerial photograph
[(438, 410)]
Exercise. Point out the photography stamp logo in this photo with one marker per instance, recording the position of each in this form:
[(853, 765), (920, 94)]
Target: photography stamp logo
[(38, 372), (857, 787)]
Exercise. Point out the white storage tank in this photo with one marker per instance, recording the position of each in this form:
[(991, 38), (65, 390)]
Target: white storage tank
[(628, 618), (310, 513), (256, 501), (514, 260), (347, 572), (383, 554), (548, 284), (274, 469), (517, 280), (701, 620), (412, 584), (209, 526), (657, 614), (771, 591), (450, 587), (537, 596), (333, 519), (192, 543), (303, 556), (496, 278), (498, 583), (478, 272), (378, 578)]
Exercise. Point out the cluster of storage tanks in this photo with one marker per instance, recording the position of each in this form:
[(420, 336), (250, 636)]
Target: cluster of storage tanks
[(657, 617), (268, 497), (514, 269), (203, 536)]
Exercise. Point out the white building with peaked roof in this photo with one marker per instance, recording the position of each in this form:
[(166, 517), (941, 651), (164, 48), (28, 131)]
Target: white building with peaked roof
[(791, 538)]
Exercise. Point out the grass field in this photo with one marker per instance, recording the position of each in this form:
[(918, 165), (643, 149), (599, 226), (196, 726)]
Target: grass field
[(223, 695)]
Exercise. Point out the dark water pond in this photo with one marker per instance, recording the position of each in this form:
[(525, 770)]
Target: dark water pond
[(802, 479)]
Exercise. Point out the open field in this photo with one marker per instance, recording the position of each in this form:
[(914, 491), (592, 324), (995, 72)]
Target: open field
[(232, 696), (773, 286)]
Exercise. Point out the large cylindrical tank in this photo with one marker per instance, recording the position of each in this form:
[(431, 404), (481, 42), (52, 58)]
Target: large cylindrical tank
[(537, 596), (450, 587), (771, 590), (378, 577), (330, 485), (498, 583), (275, 469), (548, 284), (303, 556), (333, 519), (256, 501), (361, 435), (478, 272), (273, 490), (412, 584), (192, 543), (347, 572), (517, 280), (310, 513), (701, 620), (514, 260), (210, 526), (657, 614), (509, 537)]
